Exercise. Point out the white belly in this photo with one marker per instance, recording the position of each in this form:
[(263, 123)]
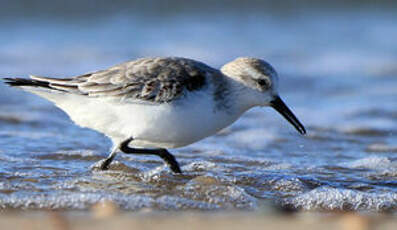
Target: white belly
[(152, 126)]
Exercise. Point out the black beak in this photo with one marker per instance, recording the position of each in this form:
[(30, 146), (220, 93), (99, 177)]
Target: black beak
[(282, 108)]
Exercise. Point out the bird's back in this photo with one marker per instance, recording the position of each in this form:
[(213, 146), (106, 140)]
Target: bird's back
[(156, 80)]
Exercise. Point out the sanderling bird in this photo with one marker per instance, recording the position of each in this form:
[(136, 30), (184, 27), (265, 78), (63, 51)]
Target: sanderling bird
[(149, 105)]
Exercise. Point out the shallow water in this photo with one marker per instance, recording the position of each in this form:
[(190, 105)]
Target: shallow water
[(337, 73)]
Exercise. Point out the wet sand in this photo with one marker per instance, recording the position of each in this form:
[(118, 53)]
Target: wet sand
[(230, 221)]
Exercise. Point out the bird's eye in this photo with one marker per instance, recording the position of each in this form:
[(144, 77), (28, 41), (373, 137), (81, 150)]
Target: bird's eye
[(262, 82)]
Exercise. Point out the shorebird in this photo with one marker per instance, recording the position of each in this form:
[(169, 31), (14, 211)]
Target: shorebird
[(149, 105)]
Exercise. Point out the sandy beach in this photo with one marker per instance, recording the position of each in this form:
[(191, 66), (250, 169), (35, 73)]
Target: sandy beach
[(209, 221)]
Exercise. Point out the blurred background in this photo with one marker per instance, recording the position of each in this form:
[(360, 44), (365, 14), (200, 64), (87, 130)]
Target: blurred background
[(337, 62), (333, 37)]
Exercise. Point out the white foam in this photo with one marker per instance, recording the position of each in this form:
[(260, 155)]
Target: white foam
[(77, 201), (381, 166), (372, 162), (328, 198), (225, 196), (290, 185)]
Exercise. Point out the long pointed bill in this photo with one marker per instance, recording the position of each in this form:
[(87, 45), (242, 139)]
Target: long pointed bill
[(282, 108)]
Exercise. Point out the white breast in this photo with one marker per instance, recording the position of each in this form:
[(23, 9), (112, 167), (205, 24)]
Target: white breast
[(167, 125)]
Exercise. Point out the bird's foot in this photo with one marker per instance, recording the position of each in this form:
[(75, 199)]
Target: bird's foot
[(102, 164), (170, 161)]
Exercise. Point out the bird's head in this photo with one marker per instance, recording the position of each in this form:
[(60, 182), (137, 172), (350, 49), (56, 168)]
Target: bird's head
[(259, 82)]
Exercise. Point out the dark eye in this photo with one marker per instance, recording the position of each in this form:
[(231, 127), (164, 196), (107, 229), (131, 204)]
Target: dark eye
[(262, 82)]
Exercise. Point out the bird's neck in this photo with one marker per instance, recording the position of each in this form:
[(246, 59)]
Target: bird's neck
[(232, 96)]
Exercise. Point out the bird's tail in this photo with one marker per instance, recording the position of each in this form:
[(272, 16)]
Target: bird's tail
[(36, 83), (52, 89), (19, 82)]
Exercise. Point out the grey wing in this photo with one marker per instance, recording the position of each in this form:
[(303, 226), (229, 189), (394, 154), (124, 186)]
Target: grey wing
[(150, 79)]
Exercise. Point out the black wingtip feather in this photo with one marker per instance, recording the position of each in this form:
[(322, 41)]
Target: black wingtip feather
[(25, 82)]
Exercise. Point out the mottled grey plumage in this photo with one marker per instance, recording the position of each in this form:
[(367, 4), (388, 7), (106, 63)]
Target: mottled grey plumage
[(161, 79), (150, 79)]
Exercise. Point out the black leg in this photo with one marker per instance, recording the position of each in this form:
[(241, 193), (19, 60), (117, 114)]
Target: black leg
[(163, 153), (105, 164)]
